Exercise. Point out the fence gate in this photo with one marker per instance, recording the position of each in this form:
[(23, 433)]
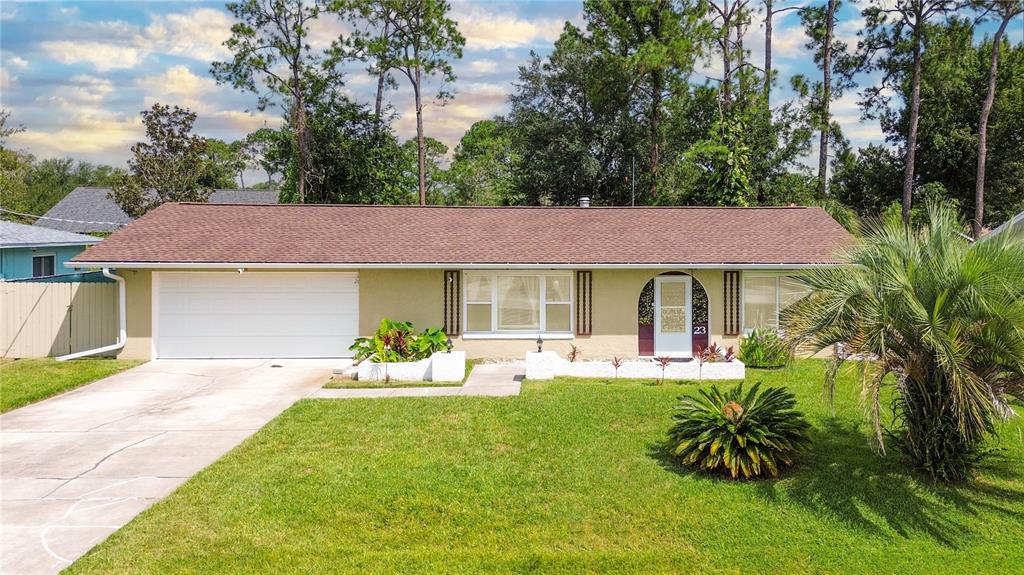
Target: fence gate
[(49, 319)]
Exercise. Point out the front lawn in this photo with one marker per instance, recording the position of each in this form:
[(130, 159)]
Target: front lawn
[(569, 477), (26, 381)]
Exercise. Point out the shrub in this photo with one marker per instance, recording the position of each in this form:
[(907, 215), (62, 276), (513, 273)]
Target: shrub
[(943, 315), (714, 354), (750, 434), (764, 348), (396, 341)]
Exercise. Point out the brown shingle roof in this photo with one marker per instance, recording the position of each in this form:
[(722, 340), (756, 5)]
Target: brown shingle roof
[(335, 234)]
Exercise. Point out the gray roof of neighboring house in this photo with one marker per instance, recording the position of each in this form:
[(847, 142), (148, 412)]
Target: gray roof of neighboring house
[(92, 205), (13, 235), (1016, 222)]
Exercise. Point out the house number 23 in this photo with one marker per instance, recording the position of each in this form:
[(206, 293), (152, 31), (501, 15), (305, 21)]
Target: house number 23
[(700, 330)]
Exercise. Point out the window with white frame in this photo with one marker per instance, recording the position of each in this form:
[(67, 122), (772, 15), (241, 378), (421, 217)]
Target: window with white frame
[(43, 265), (514, 302), (765, 296)]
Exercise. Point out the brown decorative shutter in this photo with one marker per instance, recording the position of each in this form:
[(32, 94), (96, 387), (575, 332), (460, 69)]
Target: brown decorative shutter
[(732, 303), (584, 306), (452, 302)]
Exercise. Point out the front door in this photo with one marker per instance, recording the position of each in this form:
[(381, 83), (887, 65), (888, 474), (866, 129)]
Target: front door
[(673, 318)]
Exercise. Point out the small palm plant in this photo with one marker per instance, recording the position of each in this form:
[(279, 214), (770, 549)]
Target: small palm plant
[(944, 316), (749, 434)]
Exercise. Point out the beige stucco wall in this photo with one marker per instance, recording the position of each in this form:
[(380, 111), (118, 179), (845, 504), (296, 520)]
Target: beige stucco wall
[(139, 306), (417, 296), (406, 295)]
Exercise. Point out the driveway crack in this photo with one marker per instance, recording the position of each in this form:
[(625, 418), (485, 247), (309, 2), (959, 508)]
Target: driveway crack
[(100, 462)]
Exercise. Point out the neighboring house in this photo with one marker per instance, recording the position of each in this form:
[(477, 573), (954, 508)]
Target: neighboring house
[(30, 251), (206, 280), (90, 210), (1014, 227)]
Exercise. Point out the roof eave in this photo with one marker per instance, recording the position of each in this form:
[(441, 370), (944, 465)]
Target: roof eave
[(448, 265), (49, 244)]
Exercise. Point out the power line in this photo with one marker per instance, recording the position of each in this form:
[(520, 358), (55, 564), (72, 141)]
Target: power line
[(5, 210)]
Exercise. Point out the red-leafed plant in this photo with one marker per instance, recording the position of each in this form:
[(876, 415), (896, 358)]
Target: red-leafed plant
[(616, 363), (664, 362), (574, 353)]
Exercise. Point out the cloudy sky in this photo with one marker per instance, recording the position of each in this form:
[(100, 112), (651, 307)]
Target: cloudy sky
[(76, 74)]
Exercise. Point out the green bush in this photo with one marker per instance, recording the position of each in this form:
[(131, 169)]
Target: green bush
[(396, 341), (943, 316), (764, 348), (750, 434)]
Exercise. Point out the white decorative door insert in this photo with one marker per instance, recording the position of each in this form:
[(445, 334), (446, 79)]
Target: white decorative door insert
[(673, 316)]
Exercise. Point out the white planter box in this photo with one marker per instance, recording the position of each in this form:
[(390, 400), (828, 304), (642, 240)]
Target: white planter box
[(447, 366), (441, 366), (547, 365)]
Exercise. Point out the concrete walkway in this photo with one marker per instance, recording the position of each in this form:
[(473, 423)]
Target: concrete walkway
[(489, 379), (76, 467)]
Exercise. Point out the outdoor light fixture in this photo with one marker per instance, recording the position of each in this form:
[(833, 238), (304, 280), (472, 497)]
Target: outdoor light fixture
[(540, 343), (449, 344)]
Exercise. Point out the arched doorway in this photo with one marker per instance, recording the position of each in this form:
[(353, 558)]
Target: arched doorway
[(646, 310)]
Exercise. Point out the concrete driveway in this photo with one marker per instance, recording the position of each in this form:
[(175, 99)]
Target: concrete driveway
[(75, 468)]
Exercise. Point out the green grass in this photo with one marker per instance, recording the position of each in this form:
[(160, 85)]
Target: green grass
[(341, 383), (569, 477), (26, 381)]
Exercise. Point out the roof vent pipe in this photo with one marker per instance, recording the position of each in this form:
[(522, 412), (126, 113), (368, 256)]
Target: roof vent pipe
[(584, 201)]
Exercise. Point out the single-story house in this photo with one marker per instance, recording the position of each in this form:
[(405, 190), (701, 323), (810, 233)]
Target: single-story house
[(90, 210), (1014, 227), (205, 280), (32, 252)]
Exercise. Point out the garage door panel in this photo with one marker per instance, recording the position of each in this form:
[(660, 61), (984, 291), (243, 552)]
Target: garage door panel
[(256, 314), (297, 303), (293, 325), (214, 347)]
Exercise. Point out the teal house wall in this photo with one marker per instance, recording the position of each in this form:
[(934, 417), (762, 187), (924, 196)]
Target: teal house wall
[(16, 263)]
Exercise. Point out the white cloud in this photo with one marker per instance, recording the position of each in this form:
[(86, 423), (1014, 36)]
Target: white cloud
[(483, 66), (325, 30), (103, 56), (6, 79), (111, 45), (178, 86), (79, 97), (198, 34), (87, 130), (473, 102), (85, 88), (847, 29), (239, 122), (846, 112), (485, 30), (16, 61)]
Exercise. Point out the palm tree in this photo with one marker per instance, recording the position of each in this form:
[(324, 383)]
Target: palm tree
[(943, 316)]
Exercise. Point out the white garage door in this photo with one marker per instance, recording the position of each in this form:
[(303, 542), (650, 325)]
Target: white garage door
[(255, 314)]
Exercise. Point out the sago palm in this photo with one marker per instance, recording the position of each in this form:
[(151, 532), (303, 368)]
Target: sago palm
[(748, 434), (943, 315)]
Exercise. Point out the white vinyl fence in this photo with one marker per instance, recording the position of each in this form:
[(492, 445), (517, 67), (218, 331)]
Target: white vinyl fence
[(50, 319)]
